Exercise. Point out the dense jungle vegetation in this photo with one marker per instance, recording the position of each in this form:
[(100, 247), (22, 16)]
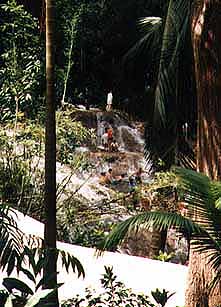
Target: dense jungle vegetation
[(161, 60), (92, 38)]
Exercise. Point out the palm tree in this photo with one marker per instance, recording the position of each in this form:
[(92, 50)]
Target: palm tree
[(166, 38), (50, 269), (205, 30), (203, 20), (204, 229), (167, 44)]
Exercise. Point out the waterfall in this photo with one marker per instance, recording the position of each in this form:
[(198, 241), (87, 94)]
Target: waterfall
[(100, 127), (130, 139)]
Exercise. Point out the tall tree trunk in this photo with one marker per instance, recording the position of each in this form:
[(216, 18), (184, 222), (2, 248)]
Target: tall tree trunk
[(50, 269), (206, 40)]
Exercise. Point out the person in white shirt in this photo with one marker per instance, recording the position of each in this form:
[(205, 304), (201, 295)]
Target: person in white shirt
[(109, 101)]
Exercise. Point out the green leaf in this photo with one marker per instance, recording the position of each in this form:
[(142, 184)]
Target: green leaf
[(34, 300), (218, 203), (28, 274), (11, 283), (69, 260)]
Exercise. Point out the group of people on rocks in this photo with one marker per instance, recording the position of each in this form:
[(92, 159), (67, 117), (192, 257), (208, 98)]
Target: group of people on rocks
[(133, 180), (110, 144), (106, 177), (107, 140)]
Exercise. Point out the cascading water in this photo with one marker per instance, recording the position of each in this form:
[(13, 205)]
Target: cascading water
[(100, 127), (130, 139)]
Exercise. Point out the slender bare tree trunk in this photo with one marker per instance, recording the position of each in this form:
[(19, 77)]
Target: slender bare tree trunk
[(50, 269), (69, 62), (206, 40)]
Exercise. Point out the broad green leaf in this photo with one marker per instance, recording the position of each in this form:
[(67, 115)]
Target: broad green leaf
[(34, 300), (13, 283)]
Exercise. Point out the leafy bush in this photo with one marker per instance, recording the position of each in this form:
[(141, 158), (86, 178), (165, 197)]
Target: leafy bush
[(18, 293), (21, 179), (13, 180), (161, 297), (23, 296), (89, 235), (163, 256), (77, 223), (70, 135), (21, 159), (115, 295)]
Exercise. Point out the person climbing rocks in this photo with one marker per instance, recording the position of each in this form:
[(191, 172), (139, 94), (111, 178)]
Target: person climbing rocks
[(135, 179), (104, 139), (132, 184), (114, 146), (109, 137), (138, 175), (109, 101), (109, 176), (102, 179)]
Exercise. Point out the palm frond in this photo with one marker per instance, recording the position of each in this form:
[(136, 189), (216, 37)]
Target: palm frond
[(161, 133), (159, 220), (202, 225), (10, 240), (173, 41), (201, 194), (216, 191), (149, 22), (201, 239), (218, 203), (211, 248), (150, 41)]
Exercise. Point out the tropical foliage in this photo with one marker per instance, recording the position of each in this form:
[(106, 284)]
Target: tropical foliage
[(11, 239), (156, 82), (115, 294), (166, 41), (20, 62), (70, 135), (18, 293), (200, 223)]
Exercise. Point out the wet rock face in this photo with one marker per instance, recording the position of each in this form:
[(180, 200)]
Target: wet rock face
[(127, 136), (88, 118), (138, 244), (130, 139), (146, 244), (120, 163)]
